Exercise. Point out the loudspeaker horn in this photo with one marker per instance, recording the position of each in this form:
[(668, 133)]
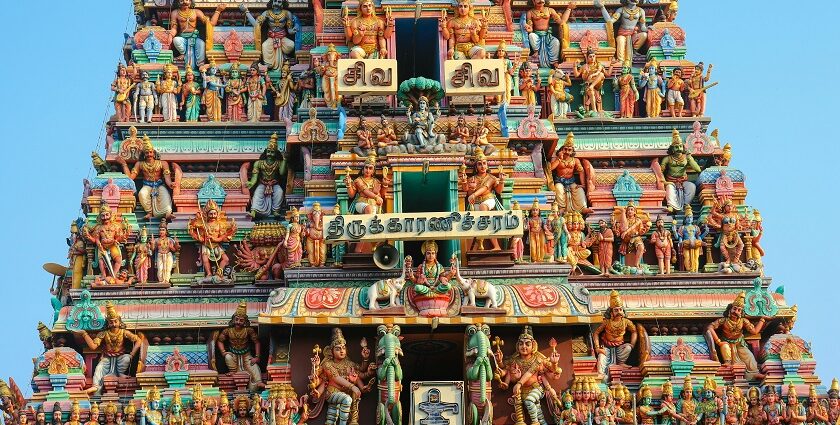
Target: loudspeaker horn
[(386, 256)]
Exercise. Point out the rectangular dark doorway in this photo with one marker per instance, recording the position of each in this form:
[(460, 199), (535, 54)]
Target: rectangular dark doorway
[(426, 193), (417, 49)]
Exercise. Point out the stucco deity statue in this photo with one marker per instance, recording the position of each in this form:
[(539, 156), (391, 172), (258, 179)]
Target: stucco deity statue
[(367, 34), (817, 413), (235, 344), (674, 96), (329, 76), (560, 97), (340, 381), (293, 240), (255, 91), (184, 30), (368, 191), (482, 188), (631, 225), (168, 86), (211, 228), (697, 89), (423, 137), (109, 232), (464, 32), (141, 259), (235, 94), (150, 409), (267, 176), (527, 371), (111, 343), (564, 170), (154, 196), (610, 339), (365, 144), (281, 25), (690, 241), (754, 413), (654, 86), (593, 74), (316, 246), (528, 85), (145, 98), (628, 93), (794, 413), (214, 91), (536, 233), (632, 27), (605, 237), (675, 167), (663, 246), (728, 332), (122, 87), (284, 95), (190, 97), (538, 27), (165, 247), (387, 140), (430, 276)]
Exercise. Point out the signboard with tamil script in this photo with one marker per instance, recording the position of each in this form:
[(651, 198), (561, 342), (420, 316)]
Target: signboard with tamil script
[(474, 76), (367, 76), (423, 226)]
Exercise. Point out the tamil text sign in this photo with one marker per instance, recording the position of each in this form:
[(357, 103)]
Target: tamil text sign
[(423, 226)]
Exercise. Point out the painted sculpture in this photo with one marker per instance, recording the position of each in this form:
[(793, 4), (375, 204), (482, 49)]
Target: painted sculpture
[(367, 34), (565, 170), (267, 176), (631, 225), (107, 235), (212, 228), (389, 374), (185, 34), (482, 188), (339, 382), (235, 342), (154, 196), (537, 24), (111, 343), (281, 24), (728, 332), (464, 32), (632, 30), (609, 339), (479, 374)]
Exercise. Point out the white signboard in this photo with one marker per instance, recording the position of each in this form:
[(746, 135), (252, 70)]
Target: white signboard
[(367, 76), (474, 76)]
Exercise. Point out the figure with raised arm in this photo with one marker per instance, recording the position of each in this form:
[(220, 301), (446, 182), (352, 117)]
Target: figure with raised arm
[(184, 29), (280, 22), (632, 27), (154, 196), (464, 32), (111, 343), (367, 34), (728, 334), (122, 87), (538, 27)]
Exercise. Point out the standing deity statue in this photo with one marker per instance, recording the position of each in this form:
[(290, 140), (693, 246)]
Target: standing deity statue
[(255, 90), (628, 93), (464, 32), (728, 332), (687, 405), (667, 409), (111, 343), (572, 416), (675, 167), (235, 342), (631, 225), (129, 415), (605, 239), (674, 97), (773, 408), (593, 75), (711, 407), (528, 371), (817, 413), (609, 340), (754, 413), (184, 29), (654, 86), (235, 94), (516, 243), (211, 228), (191, 97), (108, 234), (241, 410), (316, 246), (328, 69), (366, 34), (663, 246), (75, 414), (214, 91), (77, 254), (122, 87), (340, 380), (268, 175), (111, 410), (645, 411), (794, 411), (167, 88), (176, 415), (560, 97), (293, 240), (482, 188), (834, 401), (528, 84), (141, 259), (690, 240), (224, 414), (150, 408), (510, 72), (282, 27), (154, 195), (165, 249), (145, 98), (195, 415), (632, 27), (536, 233), (284, 95), (564, 166), (697, 89), (605, 412), (537, 25)]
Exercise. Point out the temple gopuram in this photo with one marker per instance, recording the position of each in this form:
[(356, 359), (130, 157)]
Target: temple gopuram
[(395, 212)]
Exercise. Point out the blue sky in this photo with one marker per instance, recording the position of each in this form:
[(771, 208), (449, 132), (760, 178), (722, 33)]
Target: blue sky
[(778, 74)]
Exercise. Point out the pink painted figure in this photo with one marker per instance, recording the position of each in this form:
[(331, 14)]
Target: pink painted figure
[(142, 257), (606, 239), (663, 245), (516, 243)]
